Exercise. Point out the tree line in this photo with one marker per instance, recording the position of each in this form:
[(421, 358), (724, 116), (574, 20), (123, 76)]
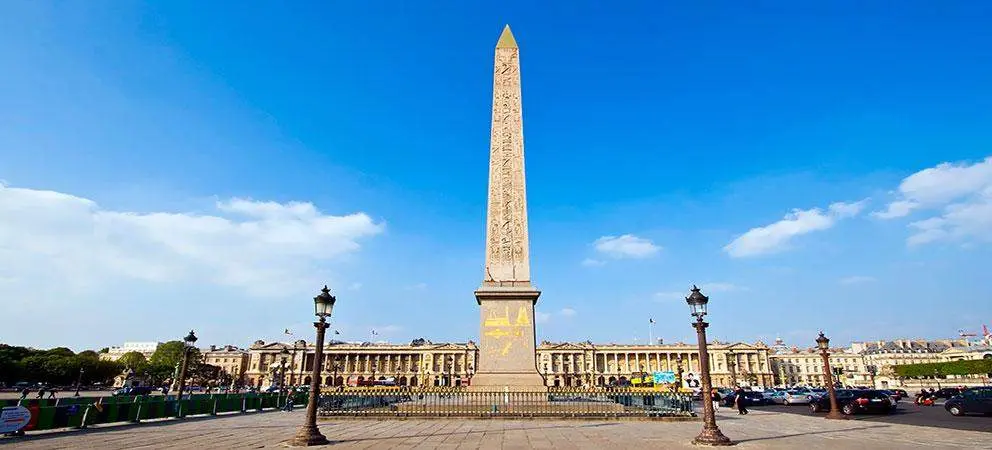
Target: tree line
[(60, 366), (56, 366), (940, 369)]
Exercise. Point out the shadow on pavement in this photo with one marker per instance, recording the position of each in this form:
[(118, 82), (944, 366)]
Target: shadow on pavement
[(768, 438), (121, 426)]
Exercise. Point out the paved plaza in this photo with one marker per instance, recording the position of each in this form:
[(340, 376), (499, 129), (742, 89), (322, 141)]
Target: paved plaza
[(760, 429)]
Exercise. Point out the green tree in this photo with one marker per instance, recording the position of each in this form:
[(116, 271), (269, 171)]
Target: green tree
[(60, 351), (134, 360), (89, 354)]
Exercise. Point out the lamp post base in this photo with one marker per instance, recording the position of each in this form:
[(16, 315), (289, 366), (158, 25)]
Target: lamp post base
[(712, 437), (836, 415), (308, 436)]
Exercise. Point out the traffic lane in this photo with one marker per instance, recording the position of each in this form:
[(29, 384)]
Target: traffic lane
[(907, 413)]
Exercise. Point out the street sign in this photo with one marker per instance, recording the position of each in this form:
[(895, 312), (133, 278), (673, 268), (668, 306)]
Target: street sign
[(665, 377), (13, 418)]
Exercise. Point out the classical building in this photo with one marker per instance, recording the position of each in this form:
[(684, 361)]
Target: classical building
[(805, 367), (584, 364), (231, 360), (418, 363), (561, 364), (145, 348)]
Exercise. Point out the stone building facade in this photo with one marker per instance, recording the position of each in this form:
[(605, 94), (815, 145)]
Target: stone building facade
[(805, 367), (453, 364), (145, 348), (231, 360)]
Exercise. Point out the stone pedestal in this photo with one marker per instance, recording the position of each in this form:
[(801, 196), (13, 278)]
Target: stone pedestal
[(507, 343)]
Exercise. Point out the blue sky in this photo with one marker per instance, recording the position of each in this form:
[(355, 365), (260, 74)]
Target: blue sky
[(185, 165)]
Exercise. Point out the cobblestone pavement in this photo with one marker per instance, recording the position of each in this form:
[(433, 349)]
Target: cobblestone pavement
[(758, 430)]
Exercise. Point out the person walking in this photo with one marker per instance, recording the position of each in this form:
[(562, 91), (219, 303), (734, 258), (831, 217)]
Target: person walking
[(741, 401), (24, 393), (715, 396), (41, 393), (51, 392)]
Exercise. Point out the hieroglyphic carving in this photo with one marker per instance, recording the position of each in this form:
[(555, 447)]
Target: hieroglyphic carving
[(507, 257)]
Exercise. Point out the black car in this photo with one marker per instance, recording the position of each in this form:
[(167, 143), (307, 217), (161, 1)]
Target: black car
[(947, 392), (853, 401), (902, 393), (750, 399), (133, 390), (976, 400)]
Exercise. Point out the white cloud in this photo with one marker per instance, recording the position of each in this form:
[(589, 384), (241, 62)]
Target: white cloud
[(777, 236), (590, 262), (541, 317), (961, 191), (567, 312), (626, 246), (939, 185), (260, 248), (856, 279)]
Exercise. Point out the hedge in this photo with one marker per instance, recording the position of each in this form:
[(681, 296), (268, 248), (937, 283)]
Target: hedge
[(971, 367)]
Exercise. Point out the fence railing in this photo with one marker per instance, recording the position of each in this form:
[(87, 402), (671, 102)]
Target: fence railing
[(460, 403), (80, 412)]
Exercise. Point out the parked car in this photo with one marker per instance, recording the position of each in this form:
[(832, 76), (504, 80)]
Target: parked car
[(750, 399), (797, 398), (777, 397), (853, 401), (976, 400), (132, 390), (902, 393)]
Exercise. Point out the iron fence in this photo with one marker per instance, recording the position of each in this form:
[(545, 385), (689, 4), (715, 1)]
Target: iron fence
[(470, 403)]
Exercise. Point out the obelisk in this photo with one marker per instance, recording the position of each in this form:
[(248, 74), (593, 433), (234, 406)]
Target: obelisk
[(506, 298)]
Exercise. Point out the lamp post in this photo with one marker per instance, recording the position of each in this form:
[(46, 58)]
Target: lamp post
[(935, 373), (872, 371), (337, 367), (678, 372), (188, 342), (79, 380), (303, 359), (309, 434), (732, 367), (824, 345), (710, 435), (283, 355)]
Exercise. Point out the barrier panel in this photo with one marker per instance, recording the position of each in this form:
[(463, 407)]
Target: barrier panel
[(494, 404), (80, 412)]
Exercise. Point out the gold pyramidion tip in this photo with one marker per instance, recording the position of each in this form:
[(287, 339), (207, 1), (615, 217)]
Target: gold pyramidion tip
[(506, 39)]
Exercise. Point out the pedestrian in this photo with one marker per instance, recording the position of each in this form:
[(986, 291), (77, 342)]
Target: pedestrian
[(41, 393), (741, 401), (715, 396), (51, 392), (24, 393)]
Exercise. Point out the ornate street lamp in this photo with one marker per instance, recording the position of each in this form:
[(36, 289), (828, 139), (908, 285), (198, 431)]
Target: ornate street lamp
[(824, 345), (188, 342), (283, 355), (79, 381), (732, 367), (336, 367), (309, 434), (711, 434)]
